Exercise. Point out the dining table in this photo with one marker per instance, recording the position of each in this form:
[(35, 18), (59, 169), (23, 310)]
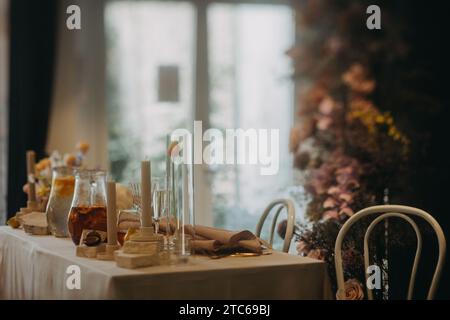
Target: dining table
[(46, 267)]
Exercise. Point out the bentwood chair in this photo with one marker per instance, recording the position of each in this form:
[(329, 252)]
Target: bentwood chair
[(279, 204), (388, 211)]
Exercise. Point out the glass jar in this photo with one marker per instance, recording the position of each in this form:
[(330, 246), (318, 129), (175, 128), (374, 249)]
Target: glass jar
[(60, 200), (88, 209)]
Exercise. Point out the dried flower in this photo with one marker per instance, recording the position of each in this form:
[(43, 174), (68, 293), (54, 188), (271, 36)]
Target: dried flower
[(326, 106), (323, 123), (353, 291), (302, 248), (82, 147), (318, 254), (356, 79)]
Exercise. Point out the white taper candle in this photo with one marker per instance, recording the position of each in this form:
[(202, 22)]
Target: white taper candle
[(31, 163), (146, 194), (111, 213)]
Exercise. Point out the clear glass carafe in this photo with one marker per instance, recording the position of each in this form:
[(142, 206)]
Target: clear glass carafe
[(60, 200), (88, 209)]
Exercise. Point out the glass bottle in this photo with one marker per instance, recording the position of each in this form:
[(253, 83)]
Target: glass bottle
[(60, 200), (88, 209)]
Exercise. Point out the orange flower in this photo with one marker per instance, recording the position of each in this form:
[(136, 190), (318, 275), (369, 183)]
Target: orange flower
[(83, 147), (70, 160), (356, 79), (353, 291)]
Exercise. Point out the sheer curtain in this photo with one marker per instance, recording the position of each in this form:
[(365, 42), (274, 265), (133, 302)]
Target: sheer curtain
[(78, 106), (3, 108)]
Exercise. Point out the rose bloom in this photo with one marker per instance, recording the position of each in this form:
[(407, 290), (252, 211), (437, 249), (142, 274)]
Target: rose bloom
[(352, 291), (326, 106), (316, 254), (302, 248)]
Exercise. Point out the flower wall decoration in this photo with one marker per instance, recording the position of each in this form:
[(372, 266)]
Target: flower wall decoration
[(346, 142)]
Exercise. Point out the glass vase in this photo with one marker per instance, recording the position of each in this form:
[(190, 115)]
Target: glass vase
[(88, 208), (60, 199)]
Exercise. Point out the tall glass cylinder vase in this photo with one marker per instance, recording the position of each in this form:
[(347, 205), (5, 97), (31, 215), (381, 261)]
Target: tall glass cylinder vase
[(183, 196)]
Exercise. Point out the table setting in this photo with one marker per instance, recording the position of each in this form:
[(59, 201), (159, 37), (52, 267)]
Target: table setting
[(136, 242)]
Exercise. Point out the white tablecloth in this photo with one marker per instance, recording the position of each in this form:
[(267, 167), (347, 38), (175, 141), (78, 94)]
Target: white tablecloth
[(34, 267)]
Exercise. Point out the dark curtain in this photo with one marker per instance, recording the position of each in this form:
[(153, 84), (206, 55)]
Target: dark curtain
[(32, 52), (416, 92), (427, 29)]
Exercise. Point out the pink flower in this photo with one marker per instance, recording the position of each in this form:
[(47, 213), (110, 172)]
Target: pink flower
[(345, 196), (330, 214), (351, 184), (329, 203), (316, 254), (324, 123), (334, 45), (334, 190), (356, 79), (302, 247), (353, 291), (326, 106), (346, 211)]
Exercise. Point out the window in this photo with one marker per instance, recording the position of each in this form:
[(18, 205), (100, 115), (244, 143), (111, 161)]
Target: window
[(163, 55), (144, 40), (3, 107)]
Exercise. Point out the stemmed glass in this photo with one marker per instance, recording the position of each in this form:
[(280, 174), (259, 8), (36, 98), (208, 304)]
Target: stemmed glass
[(137, 199), (158, 201), (136, 196), (162, 207)]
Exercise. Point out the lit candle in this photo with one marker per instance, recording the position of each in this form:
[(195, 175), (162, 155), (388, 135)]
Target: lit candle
[(111, 213), (31, 164), (146, 194)]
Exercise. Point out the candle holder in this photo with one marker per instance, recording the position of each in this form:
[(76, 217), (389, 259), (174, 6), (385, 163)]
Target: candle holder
[(112, 245), (144, 247), (32, 219)]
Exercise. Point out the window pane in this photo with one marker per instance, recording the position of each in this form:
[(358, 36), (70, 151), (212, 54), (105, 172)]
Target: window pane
[(250, 88), (150, 60)]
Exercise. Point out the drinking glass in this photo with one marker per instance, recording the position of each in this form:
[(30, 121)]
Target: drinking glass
[(161, 205)]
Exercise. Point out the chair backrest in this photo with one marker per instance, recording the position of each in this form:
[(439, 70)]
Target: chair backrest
[(280, 204), (385, 212)]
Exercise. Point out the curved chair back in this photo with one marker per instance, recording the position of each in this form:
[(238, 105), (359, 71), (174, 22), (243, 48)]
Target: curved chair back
[(387, 211), (280, 204)]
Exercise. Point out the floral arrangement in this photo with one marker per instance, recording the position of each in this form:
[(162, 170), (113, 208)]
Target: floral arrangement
[(346, 142), (45, 165)]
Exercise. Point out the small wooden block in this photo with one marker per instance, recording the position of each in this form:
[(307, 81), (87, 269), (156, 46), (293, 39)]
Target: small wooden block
[(89, 252), (35, 223), (22, 212), (133, 261), (133, 247), (36, 230), (108, 254)]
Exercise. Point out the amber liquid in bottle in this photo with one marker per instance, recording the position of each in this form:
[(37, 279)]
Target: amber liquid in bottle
[(93, 218)]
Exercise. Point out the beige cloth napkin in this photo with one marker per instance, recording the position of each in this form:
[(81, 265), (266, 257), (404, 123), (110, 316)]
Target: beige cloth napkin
[(214, 239), (211, 239)]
